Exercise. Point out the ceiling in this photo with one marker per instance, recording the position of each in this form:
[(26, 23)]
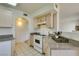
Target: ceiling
[(69, 9), (66, 9), (30, 7)]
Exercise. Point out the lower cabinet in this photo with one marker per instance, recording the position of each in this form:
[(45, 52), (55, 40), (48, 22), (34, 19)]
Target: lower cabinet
[(46, 48), (64, 52), (13, 47), (5, 48), (31, 41)]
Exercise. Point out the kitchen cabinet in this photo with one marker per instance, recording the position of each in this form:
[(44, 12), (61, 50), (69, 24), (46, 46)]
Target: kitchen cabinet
[(5, 48), (5, 19), (38, 21), (7, 45), (49, 20), (46, 48), (31, 41), (64, 52), (46, 19), (13, 47), (47, 16)]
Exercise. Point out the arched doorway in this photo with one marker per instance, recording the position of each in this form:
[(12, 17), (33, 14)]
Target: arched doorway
[(21, 29)]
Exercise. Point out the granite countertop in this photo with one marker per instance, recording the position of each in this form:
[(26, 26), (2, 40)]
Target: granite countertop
[(37, 33), (71, 35), (54, 45), (6, 37), (73, 41)]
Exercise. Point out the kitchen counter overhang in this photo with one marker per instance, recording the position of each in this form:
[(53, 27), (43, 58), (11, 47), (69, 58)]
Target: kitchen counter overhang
[(6, 37)]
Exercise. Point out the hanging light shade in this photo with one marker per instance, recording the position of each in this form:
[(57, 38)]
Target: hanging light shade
[(21, 22)]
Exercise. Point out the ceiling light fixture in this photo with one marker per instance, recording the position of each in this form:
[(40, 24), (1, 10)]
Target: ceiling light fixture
[(13, 4)]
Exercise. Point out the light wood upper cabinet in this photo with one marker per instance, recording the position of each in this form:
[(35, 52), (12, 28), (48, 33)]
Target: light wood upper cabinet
[(48, 16), (49, 20), (44, 20)]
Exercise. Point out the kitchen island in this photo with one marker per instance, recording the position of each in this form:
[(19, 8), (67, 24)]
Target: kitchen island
[(61, 49)]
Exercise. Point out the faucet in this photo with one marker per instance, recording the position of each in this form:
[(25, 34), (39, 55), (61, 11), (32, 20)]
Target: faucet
[(57, 34)]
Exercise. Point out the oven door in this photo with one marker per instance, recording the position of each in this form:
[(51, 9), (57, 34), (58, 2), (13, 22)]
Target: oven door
[(38, 41)]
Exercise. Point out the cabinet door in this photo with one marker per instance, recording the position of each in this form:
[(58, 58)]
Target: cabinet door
[(49, 20), (42, 19), (39, 21), (5, 19), (5, 48), (64, 52), (46, 48)]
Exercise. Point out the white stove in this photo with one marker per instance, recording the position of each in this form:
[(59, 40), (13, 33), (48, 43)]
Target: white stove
[(38, 39), (38, 43)]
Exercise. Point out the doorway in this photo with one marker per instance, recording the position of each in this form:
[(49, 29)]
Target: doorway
[(21, 29)]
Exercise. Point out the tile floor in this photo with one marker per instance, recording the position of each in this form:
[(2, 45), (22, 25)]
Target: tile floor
[(22, 49)]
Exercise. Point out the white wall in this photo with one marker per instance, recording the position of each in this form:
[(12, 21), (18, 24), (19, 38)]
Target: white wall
[(25, 35), (15, 14), (68, 24)]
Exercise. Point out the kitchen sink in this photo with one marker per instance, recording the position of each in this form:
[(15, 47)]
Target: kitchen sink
[(60, 39)]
